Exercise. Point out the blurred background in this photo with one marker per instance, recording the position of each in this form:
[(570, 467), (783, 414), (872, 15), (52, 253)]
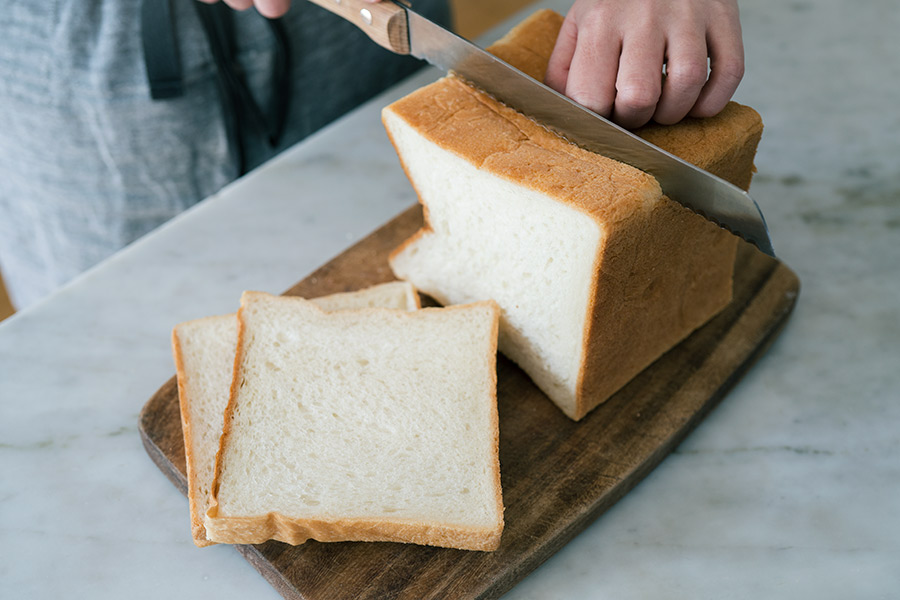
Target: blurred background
[(471, 17)]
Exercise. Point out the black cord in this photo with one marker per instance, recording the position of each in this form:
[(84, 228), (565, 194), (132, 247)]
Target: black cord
[(160, 50), (241, 113), (211, 18), (281, 78)]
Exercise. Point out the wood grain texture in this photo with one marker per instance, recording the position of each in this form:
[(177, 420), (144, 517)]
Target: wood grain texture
[(384, 22), (6, 307), (557, 475)]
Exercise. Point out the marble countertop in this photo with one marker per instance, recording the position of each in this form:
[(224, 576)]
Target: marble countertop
[(789, 489)]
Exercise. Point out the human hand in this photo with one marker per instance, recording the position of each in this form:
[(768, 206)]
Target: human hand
[(271, 9), (610, 54)]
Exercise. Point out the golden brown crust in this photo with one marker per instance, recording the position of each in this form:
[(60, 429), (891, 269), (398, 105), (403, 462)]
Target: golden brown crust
[(494, 137), (717, 144), (661, 278), (662, 271), (228, 419), (495, 422), (528, 45), (274, 526), (198, 531), (417, 300)]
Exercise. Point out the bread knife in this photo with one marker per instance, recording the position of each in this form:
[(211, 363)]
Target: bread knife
[(398, 28)]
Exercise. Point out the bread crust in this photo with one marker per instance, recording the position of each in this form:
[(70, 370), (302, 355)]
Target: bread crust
[(495, 429), (228, 419), (274, 526), (198, 529), (661, 270), (293, 530)]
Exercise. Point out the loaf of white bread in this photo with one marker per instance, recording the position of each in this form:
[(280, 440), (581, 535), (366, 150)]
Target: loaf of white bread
[(366, 425), (596, 272), (204, 351)]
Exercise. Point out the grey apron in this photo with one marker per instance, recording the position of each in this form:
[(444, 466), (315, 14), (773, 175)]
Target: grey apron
[(89, 161)]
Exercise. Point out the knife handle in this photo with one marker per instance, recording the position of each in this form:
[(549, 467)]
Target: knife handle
[(384, 22)]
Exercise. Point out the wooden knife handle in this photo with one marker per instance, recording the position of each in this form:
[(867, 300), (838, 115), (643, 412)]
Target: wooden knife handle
[(384, 22)]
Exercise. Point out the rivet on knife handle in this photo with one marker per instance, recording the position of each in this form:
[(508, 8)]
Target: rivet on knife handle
[(384, 22)]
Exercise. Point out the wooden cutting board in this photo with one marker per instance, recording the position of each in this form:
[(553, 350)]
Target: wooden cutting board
[(557, 475)]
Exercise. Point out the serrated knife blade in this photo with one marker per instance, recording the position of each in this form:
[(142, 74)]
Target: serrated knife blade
[(712, 197), (400, 29)]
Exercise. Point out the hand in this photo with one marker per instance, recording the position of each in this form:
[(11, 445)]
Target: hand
[(271, 9), (610, 55)]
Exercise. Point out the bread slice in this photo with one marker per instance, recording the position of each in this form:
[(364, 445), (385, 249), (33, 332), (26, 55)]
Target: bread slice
[(597, 273), (369, 425), (204, 352)]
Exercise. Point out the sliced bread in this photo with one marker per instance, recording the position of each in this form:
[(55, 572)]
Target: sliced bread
[(204, 351), (597, 273), (367, 425)]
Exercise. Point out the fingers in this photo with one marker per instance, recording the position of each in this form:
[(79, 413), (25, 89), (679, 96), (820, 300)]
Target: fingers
[(613, 69), (726, 54), (639, 78), (610, 53), (239, 4), (561, 59), (272, 9), (686, 73), (591, 79)]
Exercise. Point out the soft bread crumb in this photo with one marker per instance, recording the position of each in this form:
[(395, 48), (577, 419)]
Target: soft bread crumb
[(360, 425), (204, 356)]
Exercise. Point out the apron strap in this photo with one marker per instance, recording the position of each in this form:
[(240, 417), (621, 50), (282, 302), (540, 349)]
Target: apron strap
[(241, 112), (161, 50)]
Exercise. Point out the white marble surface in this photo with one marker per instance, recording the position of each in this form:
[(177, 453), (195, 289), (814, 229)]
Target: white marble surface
[(789, 489)]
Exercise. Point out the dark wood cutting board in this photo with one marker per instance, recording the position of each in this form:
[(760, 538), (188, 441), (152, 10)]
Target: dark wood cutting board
[(557, 475)]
